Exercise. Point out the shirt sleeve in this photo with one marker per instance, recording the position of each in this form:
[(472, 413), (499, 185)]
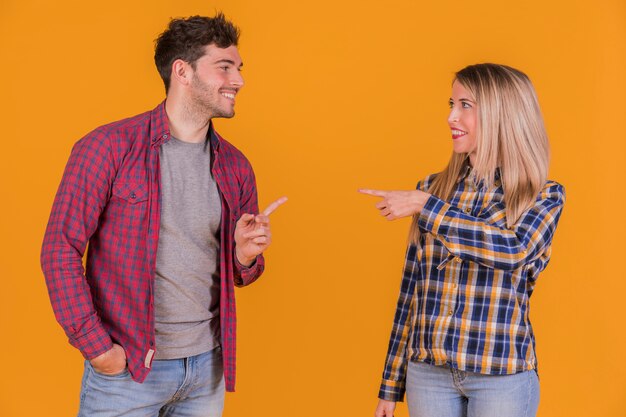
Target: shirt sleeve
[(249, 204), (81, 197), (393, 382), (474, 239)]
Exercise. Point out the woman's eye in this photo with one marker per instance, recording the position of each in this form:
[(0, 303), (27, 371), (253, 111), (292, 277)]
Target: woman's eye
[(450, 104), (466, 105)]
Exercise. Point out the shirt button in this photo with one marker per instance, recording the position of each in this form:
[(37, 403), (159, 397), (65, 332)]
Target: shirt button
[(458, 260), (450, 313), (496, 183), (164, 136), (133, 195), (468, 210)]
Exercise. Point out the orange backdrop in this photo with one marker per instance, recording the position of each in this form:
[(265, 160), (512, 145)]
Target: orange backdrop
[(338, 95)]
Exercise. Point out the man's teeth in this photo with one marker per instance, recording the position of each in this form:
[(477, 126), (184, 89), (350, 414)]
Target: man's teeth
[(229, 95)]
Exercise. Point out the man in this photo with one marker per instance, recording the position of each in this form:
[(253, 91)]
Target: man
[(168, 208)]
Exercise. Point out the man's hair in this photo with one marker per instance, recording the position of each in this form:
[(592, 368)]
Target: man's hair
[(186, 38)]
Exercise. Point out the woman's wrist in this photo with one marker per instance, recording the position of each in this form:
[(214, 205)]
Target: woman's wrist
[(420, 200)]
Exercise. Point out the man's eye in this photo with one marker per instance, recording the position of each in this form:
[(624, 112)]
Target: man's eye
[(225, 68)]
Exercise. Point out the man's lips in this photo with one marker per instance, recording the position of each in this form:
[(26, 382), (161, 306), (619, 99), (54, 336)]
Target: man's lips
[(228, 94)]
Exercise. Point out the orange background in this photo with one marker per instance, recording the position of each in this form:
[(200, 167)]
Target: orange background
[(338, 95)]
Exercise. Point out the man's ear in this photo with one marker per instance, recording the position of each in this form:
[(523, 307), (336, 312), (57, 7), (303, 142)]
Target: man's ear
[(181, 72)]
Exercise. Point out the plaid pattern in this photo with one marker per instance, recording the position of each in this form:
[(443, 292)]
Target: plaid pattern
[(109, 197), (464, 298)]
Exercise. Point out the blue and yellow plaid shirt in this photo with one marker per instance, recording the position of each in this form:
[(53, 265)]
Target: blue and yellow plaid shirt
[(464, 295)]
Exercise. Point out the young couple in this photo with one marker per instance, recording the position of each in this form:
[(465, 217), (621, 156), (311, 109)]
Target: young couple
[(169, 210)]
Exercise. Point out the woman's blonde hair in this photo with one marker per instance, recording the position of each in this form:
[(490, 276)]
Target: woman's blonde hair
[(510, 135)]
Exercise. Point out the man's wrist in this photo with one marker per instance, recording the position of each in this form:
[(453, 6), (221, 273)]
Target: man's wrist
[(243, 260)]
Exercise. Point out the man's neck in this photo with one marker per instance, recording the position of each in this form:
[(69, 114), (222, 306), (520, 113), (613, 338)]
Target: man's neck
[(185, 123)]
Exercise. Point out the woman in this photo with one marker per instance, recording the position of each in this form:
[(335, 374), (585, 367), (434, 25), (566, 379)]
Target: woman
[(462, 343)]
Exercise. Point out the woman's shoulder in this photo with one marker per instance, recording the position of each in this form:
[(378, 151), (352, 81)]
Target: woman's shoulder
[(425, 183), (553, 184), (552, 190)]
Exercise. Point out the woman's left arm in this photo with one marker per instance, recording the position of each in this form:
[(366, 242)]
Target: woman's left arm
[(474, 239)]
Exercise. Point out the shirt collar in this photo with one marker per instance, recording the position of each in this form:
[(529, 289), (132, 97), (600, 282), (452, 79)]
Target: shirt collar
[(465, 171), (214, 137), (160, 128), (467, 174)]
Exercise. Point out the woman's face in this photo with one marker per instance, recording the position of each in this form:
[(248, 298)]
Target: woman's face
[(463, 121)]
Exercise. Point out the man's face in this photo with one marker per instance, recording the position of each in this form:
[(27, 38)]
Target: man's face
[(216, 81)]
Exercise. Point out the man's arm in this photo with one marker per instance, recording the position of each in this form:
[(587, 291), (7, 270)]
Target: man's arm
[(247, 269), (252, 234), (81, 197)]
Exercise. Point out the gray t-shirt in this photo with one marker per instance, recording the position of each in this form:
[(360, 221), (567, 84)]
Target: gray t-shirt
[(187, 282)]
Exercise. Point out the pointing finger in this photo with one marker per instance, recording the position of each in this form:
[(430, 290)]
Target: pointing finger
[(376, 193), (270, 209)]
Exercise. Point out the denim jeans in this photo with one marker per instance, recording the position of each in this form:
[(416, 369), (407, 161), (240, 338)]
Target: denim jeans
[(188, 387), (438, 391)]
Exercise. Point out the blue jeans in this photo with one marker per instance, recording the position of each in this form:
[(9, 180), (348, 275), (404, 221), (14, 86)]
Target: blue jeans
[(188, 387), (438, 391)]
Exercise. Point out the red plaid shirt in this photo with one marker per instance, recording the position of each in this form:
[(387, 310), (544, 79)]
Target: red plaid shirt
[(110, 197)]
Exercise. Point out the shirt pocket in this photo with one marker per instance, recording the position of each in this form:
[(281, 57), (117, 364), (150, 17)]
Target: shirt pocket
[(130, 192)]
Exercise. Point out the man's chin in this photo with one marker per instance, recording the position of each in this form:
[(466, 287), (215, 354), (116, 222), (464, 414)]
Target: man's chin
[(225, 115)]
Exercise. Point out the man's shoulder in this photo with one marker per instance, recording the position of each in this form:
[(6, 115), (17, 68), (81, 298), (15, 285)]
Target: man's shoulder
[(122, 133), (128, 124), (125, 128)]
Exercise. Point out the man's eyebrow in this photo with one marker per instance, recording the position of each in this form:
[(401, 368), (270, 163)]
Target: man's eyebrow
[(227, 61)]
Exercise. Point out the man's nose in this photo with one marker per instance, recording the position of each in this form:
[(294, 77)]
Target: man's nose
[(237, 80)]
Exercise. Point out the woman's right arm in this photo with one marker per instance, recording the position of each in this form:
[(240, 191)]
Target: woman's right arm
[(393, 382)]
